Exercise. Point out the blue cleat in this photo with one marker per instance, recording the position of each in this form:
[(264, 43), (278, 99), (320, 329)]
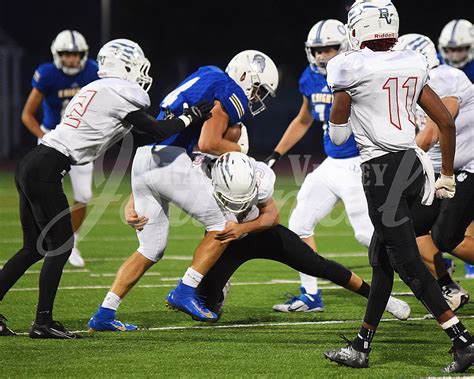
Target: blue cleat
[(469, 271), (104, 321), (183, 298), (303, 303)]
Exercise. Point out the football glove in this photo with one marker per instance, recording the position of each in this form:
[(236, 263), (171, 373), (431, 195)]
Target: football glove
[(445, 187), (197, 113), (272, 158)]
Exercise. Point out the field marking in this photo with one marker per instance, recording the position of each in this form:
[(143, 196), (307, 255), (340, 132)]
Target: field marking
[(261, 325)]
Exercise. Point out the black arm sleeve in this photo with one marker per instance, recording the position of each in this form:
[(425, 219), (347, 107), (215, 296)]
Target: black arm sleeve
[(159, 130)]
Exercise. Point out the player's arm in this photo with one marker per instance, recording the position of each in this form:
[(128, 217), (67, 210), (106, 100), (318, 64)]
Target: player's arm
[(211, 140), (29, 110), (339, 128), (162, 129), (429, 135), (294, 133), (268, 217), (441, 116)]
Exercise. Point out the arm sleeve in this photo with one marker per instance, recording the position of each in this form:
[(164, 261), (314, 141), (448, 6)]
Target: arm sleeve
[(159, 130)]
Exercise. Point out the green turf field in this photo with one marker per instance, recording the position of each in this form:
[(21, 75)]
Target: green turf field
[(250, 340)]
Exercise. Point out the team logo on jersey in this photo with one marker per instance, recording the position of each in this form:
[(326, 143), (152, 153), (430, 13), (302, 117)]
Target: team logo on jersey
[(258, 63), (384, 14), (461, 177)]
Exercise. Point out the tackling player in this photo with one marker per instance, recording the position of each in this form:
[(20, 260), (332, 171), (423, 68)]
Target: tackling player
[(323, 187), (379, 89), (99, 115), (164, 173), (54, 85)]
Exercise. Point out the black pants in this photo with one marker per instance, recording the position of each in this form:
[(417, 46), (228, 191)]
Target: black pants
[(45, 220), (277, 244), (392, 185)]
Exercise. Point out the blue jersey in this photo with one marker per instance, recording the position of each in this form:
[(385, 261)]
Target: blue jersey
[(208, 83), (315, 88), (58, 88)]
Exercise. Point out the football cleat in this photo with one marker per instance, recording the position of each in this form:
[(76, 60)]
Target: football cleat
[(303, 303), (449, 264), (183, 298), (75, 258), (469, 271), (398, 308), (104, 321), (455, 296), (53, 330), (4, 330), (462, 359), (348, 356), (220, 305)]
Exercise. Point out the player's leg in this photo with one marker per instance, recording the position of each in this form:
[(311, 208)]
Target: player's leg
[(81, 181), (314, 201)]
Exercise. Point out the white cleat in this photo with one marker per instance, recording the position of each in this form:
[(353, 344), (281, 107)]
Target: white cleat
[(455, 296), (75, 258), (398, 308)]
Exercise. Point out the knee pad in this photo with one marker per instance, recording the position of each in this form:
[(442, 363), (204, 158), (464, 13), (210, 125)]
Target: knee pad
[(415, 275)]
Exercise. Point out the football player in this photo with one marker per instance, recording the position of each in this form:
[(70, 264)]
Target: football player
[(323, 187), (54, 85), (456, 46), (379, 89), (446, 219), (100, 114), (163, 173)]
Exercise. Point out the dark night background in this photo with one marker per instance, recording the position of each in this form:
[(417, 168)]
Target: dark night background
[(178, 38)]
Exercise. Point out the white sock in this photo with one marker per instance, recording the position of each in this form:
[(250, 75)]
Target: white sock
[(192, 278), (111, 301), (309, 283), (76, 239)]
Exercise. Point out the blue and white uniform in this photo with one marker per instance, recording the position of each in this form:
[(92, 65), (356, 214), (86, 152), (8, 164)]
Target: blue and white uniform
[(338, 177), (58, 89), (164, 173)]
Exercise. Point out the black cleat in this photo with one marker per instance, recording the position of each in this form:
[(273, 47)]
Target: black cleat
[(348, 356), (4, 331), (462, 359), (54, 330)]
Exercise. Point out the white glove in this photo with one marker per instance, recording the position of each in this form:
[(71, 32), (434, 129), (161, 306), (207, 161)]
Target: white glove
[(244, 139), (445, 187)]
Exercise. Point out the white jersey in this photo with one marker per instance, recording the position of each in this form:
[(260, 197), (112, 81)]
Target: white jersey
[(384, 88), (94, 119), (448, 81)]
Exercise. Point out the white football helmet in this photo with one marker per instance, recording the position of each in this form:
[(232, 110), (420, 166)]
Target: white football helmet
[(70, 41), (234, 181), (124, 59), (257, 75), (457, 34), (371, 20), (421, 44), (325, 33)]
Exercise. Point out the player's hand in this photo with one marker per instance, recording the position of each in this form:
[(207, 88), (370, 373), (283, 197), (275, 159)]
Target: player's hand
[(445, 187), (134, 220), (272, 158), (233, 231), (198, 113)]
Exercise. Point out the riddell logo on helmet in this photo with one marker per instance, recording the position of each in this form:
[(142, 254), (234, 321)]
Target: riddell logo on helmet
[(385, 35)]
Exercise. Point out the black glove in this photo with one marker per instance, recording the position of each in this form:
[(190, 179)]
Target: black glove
[(198, 113), (272, 158)]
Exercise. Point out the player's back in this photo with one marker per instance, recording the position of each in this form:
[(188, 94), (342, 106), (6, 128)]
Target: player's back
[(94, 118), (384, 89), (208, 83)]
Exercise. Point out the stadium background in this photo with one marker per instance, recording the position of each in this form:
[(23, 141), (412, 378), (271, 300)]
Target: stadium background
[(179, 38)]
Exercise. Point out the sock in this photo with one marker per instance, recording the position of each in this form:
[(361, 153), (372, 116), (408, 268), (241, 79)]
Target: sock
[(364, 290), (111, 301), (192, 278), (43, 317), (363, 340), (445, 280), (309, 283), (76, 238), (457, 332)]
